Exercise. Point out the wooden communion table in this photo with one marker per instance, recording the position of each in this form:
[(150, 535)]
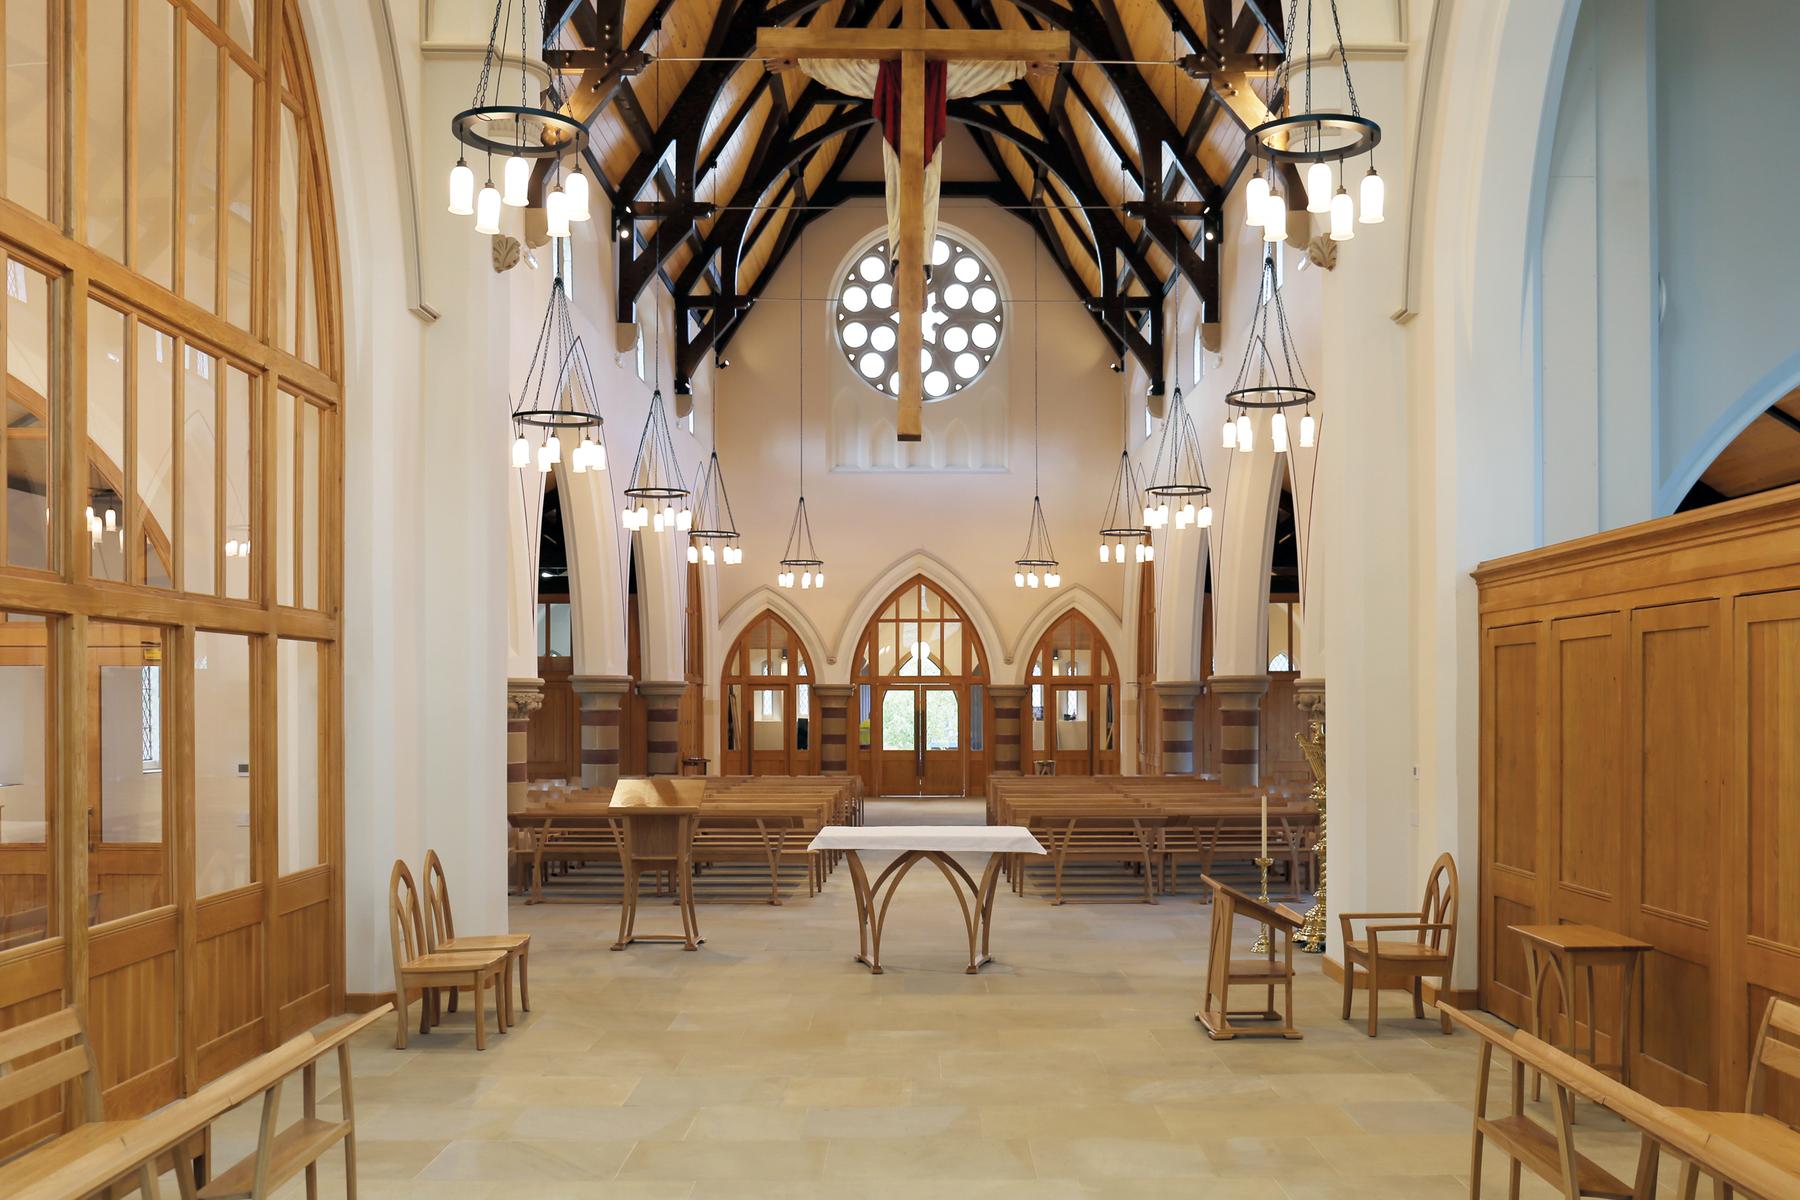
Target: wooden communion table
[(1566, 953), (925, 843)]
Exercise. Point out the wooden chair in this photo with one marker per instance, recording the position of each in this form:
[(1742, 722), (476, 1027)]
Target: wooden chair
[(1753, 1128), (417, 966), (1223, 971), (441, 935), (34, 1061), (655, 839), (1549, 1153), (1406, 962)]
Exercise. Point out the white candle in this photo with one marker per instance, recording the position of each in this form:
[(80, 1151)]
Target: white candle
[(1265, 825)]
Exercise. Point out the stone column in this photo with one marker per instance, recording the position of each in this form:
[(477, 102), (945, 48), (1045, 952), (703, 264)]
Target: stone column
[(1009, 727), (599, 697), (1309, 698), (523, 697), (832, 702), (1240, 727), (1177, 700), (662, 725)]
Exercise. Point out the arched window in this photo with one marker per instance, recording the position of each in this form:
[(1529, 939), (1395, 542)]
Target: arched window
[(1075, 699), (922, 695), (170, 455), (766, 709)]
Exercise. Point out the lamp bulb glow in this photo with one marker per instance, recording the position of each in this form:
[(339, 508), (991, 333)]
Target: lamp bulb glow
[(516, 176), (576, 189), (693, 553), (1343, 217), (1205, 519), (487, 209), (1318, 188), (1230, 440), (521, 452), (1105, 552), (1256, 194), (1018, 579), (556, 214), (1031, 579), (1374, 198), (1246, 434), (462, 189), (1309, 431), (1278, 433), (1275, 217)]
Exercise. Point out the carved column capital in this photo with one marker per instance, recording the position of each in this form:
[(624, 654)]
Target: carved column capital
[(523, 697), (1309, 698)]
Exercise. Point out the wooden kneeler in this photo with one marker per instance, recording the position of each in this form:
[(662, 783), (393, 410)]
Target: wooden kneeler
[(1222, 970)]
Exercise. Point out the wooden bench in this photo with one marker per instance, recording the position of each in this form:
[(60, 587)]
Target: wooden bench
[(95, 1157), (1753, 1129), (41, 1056)]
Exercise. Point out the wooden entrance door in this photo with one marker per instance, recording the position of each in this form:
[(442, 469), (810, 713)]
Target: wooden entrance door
[(921, 749), (1069, 730)]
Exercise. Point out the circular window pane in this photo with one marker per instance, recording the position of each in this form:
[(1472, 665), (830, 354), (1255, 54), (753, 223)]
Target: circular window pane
[(956, 318)]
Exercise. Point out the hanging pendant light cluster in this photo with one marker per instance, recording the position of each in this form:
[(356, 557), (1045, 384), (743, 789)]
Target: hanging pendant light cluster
[(1037, 566), (520, 134), (658, 495), (1277, 384), (713, 520), (1178, 490), (1317, 137), (800, 561), (1118, 530), (558, 398)]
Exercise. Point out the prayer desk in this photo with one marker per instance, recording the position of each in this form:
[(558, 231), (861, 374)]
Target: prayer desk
[(1563, 951), (925, 843)]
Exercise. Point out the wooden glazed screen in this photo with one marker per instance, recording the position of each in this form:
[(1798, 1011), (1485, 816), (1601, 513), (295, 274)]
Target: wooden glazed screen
[(1074, 699), (767, 722), (1640, 713), (170, 561)]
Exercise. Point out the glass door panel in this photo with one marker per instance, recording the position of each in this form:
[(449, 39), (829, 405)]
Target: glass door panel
[(900, 742), (1071, 726), (941, 737), (768, 731)]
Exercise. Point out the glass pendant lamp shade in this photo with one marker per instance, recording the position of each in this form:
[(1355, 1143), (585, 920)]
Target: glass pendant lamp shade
[(1246, 434), (1256, 194), (462, 189), (521, 452), (1374, 198), (1318, 188), (1275, 218), (556, 213), (1343, 217), (516, 177), (1278, 432), (487, 209), (576, 189), (1309, 431), (1230, 439)]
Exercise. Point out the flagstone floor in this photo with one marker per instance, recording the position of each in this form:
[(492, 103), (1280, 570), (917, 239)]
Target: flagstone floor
[(769, 1064)]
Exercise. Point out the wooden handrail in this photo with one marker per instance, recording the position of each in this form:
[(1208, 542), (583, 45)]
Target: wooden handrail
[(169, 1127)]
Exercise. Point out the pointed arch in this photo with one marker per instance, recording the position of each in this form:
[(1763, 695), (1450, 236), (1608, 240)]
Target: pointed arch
[(1074, 719), (945, 578), (767, 710)]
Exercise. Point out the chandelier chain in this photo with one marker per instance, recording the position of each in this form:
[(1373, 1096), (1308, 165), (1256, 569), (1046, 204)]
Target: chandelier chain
[(1344, 56)]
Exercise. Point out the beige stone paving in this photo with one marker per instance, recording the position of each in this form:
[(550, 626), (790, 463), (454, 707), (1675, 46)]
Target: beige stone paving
[(769, 1064)]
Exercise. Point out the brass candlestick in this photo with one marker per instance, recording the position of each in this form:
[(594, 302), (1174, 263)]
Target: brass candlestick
[(1311, 937), (1262, 867)]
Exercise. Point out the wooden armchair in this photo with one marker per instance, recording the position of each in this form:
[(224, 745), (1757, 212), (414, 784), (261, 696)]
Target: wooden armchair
[(1772, 1138), (417, 966), (1405, 961), (441, 935)]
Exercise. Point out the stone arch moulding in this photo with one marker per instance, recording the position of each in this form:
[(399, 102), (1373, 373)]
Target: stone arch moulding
[(1755, 401), (596, 574), (959, 589), (744, 613)]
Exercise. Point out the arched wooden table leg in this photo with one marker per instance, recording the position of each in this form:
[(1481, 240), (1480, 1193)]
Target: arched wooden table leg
[(872, 900)]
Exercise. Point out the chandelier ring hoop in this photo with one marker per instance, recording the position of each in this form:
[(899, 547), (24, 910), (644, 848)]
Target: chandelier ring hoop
[(1135, 531), (546, 133), (1276, 396), (1179, 489), (714, 535), (1311, 137), (557, 418), (656, 493)]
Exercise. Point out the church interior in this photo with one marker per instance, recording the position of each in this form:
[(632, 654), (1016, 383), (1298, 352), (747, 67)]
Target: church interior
[(1271, 526)]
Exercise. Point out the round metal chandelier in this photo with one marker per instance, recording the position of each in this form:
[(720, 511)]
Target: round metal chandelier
[(1178, 478), (1317, 137), (713, 520), (1276, 384), (520, 134), (1118, 528), (558, 397), (800, 561)]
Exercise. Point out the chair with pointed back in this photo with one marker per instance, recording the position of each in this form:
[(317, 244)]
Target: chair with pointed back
[(441, 935), (1754, 1127), (417, 966), (1419, 943)]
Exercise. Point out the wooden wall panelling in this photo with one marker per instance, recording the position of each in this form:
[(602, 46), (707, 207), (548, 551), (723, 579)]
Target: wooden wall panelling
[(1674, 788), (1665, 737), (227, 1019), (306, 967), (132, 990), (1762, 828), (1280, 759), (1511, 778)]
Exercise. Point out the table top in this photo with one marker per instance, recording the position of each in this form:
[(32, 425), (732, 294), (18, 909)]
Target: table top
[(972, 839), (1578, 937)]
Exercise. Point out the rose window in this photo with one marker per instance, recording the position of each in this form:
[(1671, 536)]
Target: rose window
[(962, 325)]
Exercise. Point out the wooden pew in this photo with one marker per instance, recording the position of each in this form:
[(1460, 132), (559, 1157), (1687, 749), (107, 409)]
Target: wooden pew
[(130, 1150)]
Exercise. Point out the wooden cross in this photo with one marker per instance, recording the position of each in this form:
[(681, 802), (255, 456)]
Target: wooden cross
[(913, 44)]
